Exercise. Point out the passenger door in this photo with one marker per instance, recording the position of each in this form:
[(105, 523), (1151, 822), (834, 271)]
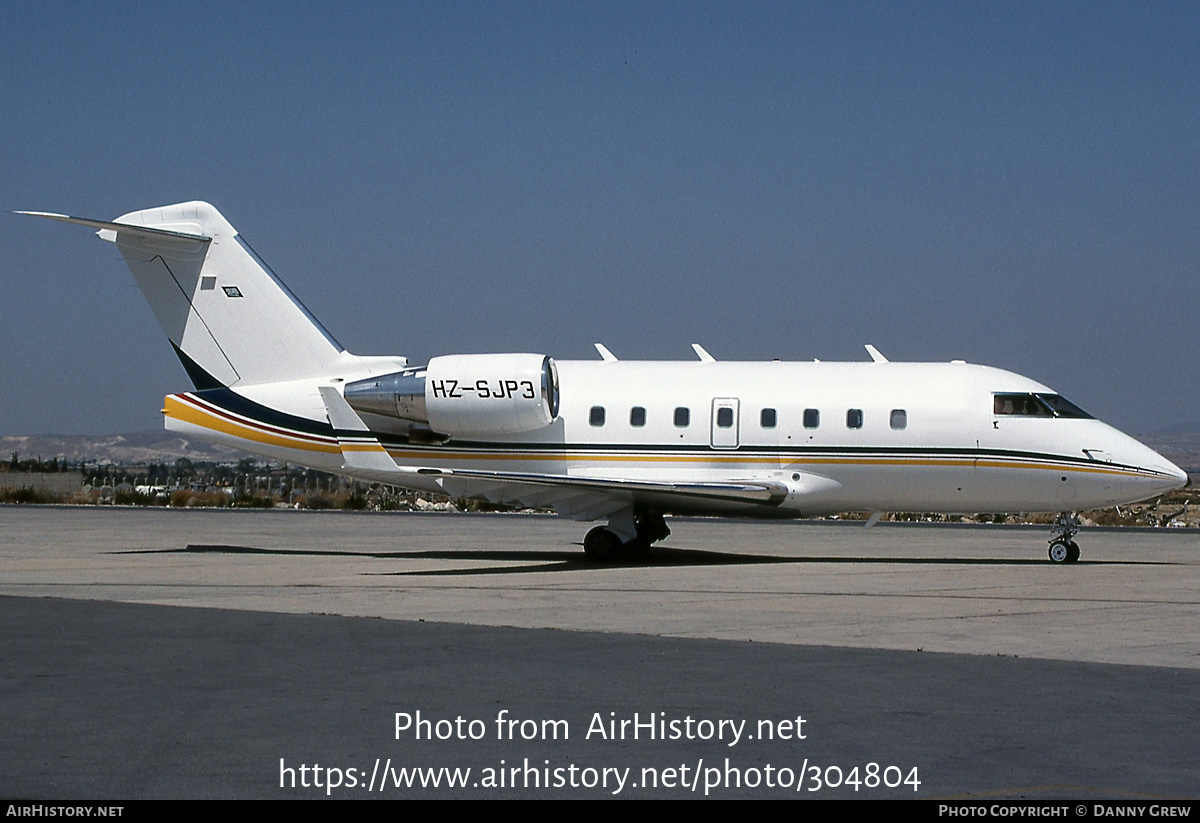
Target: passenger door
[(725, 421)]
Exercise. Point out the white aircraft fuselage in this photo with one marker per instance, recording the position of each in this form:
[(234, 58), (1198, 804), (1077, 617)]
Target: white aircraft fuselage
[(628, 441), (953, 454)]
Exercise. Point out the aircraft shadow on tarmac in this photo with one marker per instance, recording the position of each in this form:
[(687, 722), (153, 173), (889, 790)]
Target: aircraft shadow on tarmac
[(562, 561)]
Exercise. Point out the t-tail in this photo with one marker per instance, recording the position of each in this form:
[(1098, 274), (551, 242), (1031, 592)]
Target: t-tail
[(230, 319)]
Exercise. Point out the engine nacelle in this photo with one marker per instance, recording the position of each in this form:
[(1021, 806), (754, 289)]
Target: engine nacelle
[(466, 395)]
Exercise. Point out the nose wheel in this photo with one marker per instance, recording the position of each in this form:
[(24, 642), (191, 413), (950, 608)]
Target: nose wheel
[(1063, 551), (1062, 548)]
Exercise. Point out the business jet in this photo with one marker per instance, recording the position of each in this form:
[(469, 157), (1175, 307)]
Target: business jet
[(622, 441)]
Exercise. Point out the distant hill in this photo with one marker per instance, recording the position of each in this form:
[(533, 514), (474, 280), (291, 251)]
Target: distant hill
[(1180, 447), (134, 448)]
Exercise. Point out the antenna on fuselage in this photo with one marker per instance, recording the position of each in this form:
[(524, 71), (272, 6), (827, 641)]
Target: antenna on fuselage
[(605, 354)]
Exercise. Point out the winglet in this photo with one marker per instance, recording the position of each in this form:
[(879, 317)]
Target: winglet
[(341, 416), (704, 356), (875, 355), (875, 516), (363, 452), (605, 354)]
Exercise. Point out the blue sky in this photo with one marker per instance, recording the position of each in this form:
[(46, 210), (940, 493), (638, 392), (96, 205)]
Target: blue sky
[(1008, 183)]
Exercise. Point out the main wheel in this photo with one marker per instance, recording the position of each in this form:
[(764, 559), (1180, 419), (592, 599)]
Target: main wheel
[(1072, 552), (637, 548), (601, 546), (1059, 552)]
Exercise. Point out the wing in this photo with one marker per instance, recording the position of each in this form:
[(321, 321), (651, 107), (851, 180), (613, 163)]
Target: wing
[(589, 498), (580, 497)]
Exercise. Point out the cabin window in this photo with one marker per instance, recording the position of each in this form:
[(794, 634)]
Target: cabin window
[(725, 418), (637, 416), (854, 419), (596, 416), (768, 418), (683, 417), (812, 418), (899, 419)]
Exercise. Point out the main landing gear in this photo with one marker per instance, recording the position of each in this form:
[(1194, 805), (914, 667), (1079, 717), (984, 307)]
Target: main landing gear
[(611, 543), (1062, 548)]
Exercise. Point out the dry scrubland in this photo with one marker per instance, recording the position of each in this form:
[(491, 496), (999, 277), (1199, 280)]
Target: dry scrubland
[(1179, 509), (214, 483)]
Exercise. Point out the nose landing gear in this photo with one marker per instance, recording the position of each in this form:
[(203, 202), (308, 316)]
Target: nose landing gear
[(1062, 548)]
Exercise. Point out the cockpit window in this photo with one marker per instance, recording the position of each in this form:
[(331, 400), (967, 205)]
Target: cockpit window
[(1037, 405), (1025, 405), (1063, 407)]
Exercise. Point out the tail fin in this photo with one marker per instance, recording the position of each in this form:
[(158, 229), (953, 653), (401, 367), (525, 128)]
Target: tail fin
[(230, 319)]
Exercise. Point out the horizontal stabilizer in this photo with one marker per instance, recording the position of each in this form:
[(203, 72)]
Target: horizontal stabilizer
[(123, 228)]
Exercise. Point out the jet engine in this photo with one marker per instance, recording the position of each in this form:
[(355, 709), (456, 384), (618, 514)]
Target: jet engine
[(466, 395)]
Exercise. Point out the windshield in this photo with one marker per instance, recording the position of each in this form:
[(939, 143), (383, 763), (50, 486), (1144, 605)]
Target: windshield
[(1037, 405)]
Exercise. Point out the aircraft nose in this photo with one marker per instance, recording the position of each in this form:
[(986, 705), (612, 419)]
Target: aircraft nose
[(1182, 478), (1168, 477)]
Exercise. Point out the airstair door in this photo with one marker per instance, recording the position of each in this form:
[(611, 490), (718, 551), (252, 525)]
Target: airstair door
[(725, 422)]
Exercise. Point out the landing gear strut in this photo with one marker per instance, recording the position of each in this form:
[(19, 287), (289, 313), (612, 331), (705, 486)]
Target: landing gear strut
[(604, 544), (1062, 548)]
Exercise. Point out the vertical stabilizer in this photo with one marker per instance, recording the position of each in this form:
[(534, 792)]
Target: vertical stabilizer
[(230, 319)]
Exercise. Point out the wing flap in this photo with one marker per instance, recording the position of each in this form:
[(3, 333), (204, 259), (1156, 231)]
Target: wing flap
[(767, 492), (565, 500)]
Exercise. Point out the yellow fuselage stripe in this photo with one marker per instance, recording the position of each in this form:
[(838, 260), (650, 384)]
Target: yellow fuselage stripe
[(207, 420)]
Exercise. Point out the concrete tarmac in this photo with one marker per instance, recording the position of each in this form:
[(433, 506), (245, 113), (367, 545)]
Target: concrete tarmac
[(954, 656)]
